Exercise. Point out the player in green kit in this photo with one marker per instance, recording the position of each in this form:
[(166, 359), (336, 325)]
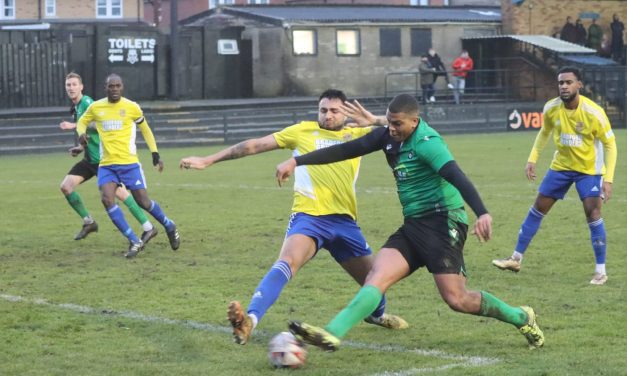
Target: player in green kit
[(88, 166), (432, 189)]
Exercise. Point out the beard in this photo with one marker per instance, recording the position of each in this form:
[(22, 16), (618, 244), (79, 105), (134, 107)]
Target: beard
[(568, 98)]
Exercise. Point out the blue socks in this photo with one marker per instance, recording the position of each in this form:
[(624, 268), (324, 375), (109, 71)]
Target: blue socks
[(117, 216), (269, 289), (597, 235), (378, 312), (528, 229), (159, 215)]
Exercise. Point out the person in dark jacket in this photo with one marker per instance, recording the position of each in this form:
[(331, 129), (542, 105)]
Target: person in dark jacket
[(580, 33), (618, 45), (436, 62), (427, 78), (569, 31)]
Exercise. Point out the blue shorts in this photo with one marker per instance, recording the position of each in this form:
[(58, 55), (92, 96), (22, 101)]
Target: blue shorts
[(131, 175), (556, 183), (337, 233)]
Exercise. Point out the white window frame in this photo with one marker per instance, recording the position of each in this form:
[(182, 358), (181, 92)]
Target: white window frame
[(419, 2), (356, 34), (5, 8), (50, 8), (313, 41), (215, 3), (109, 9), (228, 47), (259, 2)]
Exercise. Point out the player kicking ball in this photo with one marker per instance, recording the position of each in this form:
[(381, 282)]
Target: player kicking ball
[(432, 189)]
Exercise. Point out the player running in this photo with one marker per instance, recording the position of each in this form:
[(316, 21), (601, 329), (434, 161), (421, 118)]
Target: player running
[(88, 166), (116, 119)]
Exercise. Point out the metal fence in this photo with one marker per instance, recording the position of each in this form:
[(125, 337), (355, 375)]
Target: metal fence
[(608, 87), (481, 84)]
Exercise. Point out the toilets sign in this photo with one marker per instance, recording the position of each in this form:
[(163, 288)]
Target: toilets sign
[(131, 50)]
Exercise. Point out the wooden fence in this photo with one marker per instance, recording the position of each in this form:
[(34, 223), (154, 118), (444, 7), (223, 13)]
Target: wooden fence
[(33, 74)]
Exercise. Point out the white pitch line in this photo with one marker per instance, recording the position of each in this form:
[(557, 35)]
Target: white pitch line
[(125, 314), (415, 371), (461, 360)]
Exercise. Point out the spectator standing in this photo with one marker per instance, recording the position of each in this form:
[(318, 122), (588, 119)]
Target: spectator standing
[(461, 66), (580, 33), (606, 47), (427, 79), (569, 31), (595, 35), (617, 28), (436, 62)]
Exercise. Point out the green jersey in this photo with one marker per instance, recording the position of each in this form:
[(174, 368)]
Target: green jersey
[(421, 189), (92, 154), (417, 164)]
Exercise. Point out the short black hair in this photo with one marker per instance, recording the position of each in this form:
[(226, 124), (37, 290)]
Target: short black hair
[(404, 103), (333, 94), (570, 69)]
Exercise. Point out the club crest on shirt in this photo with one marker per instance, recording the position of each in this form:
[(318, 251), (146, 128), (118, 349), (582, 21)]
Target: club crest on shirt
[(347, 137), (454, 234), (122, 112), (410, 155), (579, 127)]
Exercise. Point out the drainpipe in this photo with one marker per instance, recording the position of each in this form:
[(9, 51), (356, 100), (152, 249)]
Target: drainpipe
[(174, 51)]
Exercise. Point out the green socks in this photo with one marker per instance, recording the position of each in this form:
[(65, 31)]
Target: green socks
[(368, 297), (362, 305), (75, 201), (137, 212), (491, 306)]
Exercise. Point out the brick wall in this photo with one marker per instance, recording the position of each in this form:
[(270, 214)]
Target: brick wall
[(547, 17), (27, 10)]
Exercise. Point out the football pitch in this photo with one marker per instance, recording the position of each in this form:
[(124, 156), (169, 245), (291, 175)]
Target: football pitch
[(80, 308)]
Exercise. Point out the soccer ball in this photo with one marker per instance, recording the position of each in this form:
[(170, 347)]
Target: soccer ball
[(285, 351)]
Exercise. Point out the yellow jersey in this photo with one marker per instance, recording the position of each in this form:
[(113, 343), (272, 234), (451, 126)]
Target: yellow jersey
[(322, 189), (117, 124), (583, 138)]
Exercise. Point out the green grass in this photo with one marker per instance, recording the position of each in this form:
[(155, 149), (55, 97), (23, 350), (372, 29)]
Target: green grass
[(85, 310)]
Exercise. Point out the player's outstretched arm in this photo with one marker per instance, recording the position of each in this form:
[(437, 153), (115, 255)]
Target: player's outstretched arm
[(244, 148), (66, 125), (361, 116)]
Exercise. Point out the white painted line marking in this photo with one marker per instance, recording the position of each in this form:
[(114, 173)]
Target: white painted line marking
[(461, 360)]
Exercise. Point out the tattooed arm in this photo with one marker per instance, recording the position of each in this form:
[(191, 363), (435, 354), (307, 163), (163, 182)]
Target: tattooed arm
[(244, 148)]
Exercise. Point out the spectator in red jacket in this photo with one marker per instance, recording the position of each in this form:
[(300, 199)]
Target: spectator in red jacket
[(461, 66)]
